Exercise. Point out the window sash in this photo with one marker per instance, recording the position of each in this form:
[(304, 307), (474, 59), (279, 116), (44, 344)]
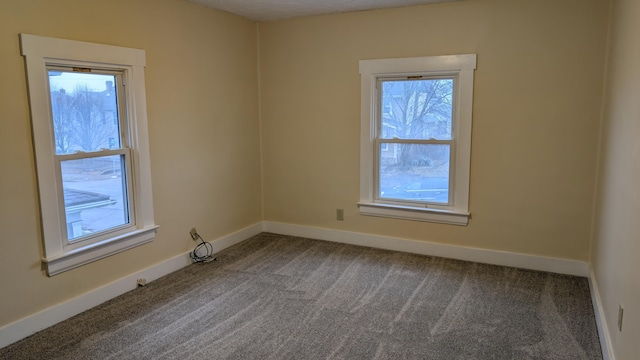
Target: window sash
[(378, 107), (129, 208), (119, 90), (377, 146)]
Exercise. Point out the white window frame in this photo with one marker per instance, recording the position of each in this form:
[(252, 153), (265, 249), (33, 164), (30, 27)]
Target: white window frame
[(59, 254), (459, 67)]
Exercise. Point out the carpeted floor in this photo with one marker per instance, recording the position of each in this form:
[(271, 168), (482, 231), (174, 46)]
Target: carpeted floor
[(280, 297)]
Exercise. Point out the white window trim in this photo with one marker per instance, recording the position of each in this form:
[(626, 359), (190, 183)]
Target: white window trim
[(38, 52), (461, 66)]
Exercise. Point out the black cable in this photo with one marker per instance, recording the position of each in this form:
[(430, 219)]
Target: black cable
[(203, 246)]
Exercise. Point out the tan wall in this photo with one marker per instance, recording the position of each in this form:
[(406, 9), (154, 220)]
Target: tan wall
[(616, 244), (537, 105), (538, 91), (201, 79)]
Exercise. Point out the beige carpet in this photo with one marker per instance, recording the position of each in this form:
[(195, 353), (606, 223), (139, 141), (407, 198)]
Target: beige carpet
[(280, 297)]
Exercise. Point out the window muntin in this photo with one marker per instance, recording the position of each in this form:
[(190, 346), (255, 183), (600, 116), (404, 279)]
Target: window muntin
[(432, 183)]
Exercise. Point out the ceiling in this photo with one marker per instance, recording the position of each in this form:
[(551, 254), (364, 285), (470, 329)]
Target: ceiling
[(267, 10)]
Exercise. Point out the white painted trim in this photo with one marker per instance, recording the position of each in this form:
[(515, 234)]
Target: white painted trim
[(486, 256), (43, 319), (46, 47), (460, 67), (86, 254), (414, 213), (39, 52), (412, 64), (237, 237), (601, 322), (26, 326)]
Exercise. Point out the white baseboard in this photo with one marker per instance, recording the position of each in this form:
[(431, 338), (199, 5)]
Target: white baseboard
[(495, 257), (236, 237), (31, 324), (24, 327), (603, 330)]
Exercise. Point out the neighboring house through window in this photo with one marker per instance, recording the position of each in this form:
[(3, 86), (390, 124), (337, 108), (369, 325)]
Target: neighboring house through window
[(90, 135), (416, 137)]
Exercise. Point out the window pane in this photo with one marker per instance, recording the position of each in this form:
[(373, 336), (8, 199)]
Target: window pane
[(416, 172), (85, 111), (416, 109), (95, 194)]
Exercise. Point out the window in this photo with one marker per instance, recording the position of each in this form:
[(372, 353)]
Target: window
[(90, 136), (416, 137)]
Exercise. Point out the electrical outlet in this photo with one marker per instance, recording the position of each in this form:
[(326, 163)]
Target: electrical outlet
[(620, 314), (340, 214), (193, 233)]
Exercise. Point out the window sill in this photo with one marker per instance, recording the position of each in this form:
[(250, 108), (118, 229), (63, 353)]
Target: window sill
[(96, 251), (414, 213)]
